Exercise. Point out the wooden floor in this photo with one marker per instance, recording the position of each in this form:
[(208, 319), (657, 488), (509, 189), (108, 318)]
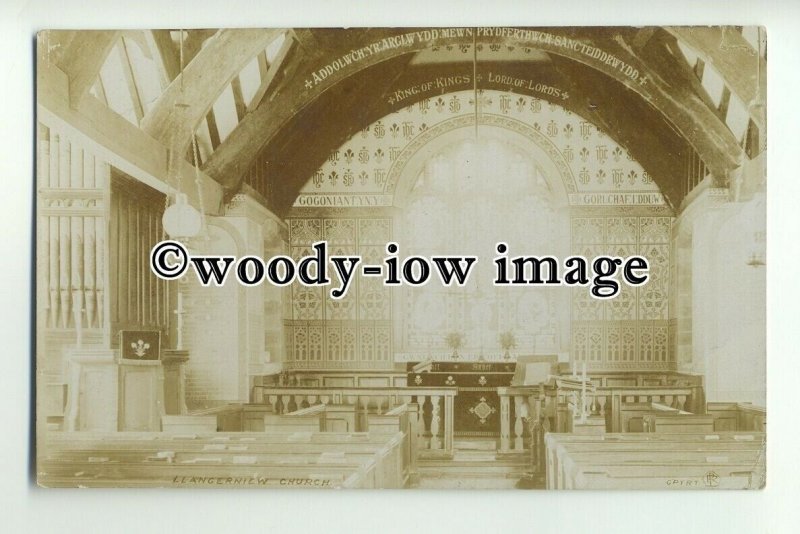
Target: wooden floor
[(475, 465)]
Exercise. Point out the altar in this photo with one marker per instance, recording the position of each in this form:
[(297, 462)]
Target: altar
[(477, 405)]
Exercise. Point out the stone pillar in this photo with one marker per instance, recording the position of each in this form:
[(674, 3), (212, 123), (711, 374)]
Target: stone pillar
[(721, 303), (234, 333), (263, 234), (214, 326), (694, 278), (274, 233)]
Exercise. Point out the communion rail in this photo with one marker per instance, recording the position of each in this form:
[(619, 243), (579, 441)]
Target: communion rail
[(433, 420), (527, 413)]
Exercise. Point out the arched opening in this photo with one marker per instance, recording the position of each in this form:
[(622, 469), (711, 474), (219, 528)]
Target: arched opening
[(468, 192)]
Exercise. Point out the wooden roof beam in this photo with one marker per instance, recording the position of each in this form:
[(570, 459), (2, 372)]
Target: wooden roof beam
[(624, 117), (181, 107), (167, 53), (111, 137), (81, 58), (702, 126), (270, 71), (630, 121), (742, 67)]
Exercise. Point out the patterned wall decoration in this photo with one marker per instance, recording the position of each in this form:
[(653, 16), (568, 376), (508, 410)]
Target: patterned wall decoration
[(365, 163), (354, 332), (616, 208), (632, 330)]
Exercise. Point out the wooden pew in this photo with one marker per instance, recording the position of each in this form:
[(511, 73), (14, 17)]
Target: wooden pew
[(640, 416), (404, 419), (655, 461), (251, 417), (295, 460), (586, 454), (184, 424), (657, 450), (330, 417), (340, 418), (677, 475), (292, 465), (628, 442), (580, 464), (737, 416), (679, 423), (85, 440), (181, 460), (311, 419), (88, 474)]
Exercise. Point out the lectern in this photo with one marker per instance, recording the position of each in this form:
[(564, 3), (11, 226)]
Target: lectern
[(534, 370)]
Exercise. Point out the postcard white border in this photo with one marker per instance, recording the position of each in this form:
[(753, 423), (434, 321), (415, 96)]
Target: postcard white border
[(29, 509)]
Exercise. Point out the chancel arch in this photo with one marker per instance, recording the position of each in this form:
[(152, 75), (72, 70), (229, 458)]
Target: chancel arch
[(588, 47)]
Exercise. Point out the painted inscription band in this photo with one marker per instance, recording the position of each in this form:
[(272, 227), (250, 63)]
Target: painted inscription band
[(423, 38)]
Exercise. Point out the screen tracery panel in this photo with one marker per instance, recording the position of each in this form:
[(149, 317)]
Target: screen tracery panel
[(631, 331), (353, 332)]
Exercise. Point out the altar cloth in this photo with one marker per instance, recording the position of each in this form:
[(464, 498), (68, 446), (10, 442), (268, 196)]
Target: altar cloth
[(476, 406)]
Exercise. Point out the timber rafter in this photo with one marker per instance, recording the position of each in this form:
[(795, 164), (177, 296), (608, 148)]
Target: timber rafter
[(188, 98)]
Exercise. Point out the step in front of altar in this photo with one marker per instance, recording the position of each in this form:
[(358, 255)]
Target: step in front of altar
[(475, 445), (474, 464)]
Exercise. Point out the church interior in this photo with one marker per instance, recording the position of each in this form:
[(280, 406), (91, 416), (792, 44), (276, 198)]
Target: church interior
[(637, 141)]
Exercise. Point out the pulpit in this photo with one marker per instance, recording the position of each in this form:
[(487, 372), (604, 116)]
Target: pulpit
[(109, 394), (93, 390), (477, 405)]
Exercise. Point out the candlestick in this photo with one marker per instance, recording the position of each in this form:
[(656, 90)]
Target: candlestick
[(179, 326), (583, 395)]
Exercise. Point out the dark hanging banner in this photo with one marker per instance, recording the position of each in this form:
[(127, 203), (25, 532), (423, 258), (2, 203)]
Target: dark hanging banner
[(140, 345)]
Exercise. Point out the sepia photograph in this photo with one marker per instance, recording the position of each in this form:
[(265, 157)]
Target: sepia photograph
[(495, 257), (260, 256)]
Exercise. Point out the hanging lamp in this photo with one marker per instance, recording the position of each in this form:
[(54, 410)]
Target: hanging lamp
[(181, 219)]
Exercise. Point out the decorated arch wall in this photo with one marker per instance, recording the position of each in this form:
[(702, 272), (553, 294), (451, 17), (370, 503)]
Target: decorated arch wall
[(357, 199)]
